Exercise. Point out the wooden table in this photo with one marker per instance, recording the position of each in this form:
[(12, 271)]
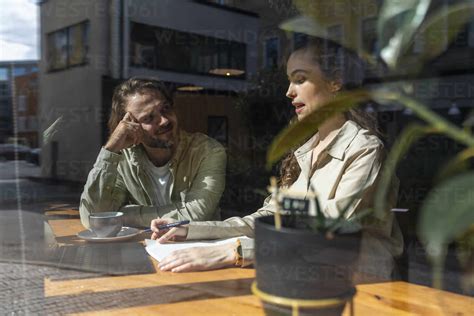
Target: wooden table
[(220, 292)]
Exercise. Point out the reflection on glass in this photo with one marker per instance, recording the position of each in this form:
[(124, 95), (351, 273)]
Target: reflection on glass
[(161, 48), (68, 47), (271, 52), (57, 50), (78, 47)]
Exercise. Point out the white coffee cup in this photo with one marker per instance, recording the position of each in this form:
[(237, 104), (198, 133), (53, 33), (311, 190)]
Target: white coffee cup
[(106, 224)]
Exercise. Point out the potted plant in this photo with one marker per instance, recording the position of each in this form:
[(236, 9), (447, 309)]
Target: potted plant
[(304, 263), (445, 216)]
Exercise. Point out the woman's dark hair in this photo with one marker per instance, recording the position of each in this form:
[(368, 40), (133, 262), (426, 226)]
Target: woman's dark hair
[(128, 88), (337, 64)]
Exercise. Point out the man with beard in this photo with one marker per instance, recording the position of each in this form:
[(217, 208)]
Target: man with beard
[(149, 168)]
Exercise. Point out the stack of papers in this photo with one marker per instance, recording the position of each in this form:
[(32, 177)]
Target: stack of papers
[(160, 251)]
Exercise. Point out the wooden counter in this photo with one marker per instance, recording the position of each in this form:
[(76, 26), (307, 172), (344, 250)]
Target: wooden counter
[(219, 292)]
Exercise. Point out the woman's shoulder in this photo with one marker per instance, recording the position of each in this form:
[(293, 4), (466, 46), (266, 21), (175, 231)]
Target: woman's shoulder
[(363, 138)]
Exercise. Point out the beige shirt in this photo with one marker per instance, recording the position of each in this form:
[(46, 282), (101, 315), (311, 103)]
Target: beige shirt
[(346, 172)]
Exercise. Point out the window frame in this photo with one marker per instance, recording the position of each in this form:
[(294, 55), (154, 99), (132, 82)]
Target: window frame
[(68, 64), (265, 57)]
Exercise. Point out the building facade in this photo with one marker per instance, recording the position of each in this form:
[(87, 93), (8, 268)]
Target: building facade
[(10, 71), (26, 94)]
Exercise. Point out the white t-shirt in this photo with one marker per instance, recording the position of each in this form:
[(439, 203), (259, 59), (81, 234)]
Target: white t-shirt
[(160, 177)]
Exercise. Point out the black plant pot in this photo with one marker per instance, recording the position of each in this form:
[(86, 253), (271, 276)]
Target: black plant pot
[(297, 265)]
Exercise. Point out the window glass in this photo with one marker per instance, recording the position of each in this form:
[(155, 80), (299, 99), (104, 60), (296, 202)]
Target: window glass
[(68, 47), (272, 52), (57, 50), (3, 73), (22, 103), (19, 71), (4, 89), (161, 48), (78, 47)]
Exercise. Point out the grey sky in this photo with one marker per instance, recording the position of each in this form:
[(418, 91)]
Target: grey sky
[(18, 30)]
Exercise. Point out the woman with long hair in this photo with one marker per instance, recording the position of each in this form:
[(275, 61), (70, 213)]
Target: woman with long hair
[(341, 162)]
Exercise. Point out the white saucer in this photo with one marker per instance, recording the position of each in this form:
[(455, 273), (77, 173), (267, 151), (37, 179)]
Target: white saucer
[(124, 234)]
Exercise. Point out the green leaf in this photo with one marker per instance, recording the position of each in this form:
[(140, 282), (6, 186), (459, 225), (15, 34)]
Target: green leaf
[(447, 21), (398, 22), (409, 136), (456, 165), (465, 246), (305, 25), (445, 215), (295, 134)]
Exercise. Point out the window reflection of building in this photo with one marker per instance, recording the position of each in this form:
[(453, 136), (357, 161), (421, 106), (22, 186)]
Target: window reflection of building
[(22, 103), (13, 71), (26, 93), (166, 49), (272, 52), (57, 50), (3, 73), (4, 89), (299, 39), (68, 47), (78, 44), (369, 35)]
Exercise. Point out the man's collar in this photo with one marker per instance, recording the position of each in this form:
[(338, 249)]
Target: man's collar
[(338, 145)]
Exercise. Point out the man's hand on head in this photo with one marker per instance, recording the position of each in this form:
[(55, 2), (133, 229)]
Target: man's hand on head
[(127, 133)]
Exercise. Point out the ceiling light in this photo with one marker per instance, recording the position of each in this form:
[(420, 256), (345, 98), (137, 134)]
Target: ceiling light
[(454, 110), (226, 72), (189, 88)]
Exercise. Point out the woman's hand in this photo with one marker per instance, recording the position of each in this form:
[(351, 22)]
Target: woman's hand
[(199, 258), (175, 233)]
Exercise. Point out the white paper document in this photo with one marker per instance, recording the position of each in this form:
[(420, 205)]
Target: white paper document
[(160, 251)]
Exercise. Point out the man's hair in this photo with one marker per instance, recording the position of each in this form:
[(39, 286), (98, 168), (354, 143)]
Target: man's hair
[(134, 85)]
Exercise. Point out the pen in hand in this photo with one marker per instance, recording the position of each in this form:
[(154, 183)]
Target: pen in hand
[(168, 226)]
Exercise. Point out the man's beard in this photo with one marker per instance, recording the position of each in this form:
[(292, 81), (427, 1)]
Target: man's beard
[(159, 143)]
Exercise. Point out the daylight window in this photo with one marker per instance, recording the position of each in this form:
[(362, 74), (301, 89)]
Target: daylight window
[(3, 74), (68, 47)]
